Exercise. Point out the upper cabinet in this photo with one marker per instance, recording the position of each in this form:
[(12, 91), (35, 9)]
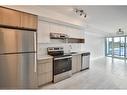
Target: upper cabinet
[(9, 17), (45, 28), (43, 32), (17, 19), (56, 28), (28, 21), (74, 33)]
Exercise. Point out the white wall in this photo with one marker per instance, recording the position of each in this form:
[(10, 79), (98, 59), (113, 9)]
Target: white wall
[(42, 48), (94, 43)]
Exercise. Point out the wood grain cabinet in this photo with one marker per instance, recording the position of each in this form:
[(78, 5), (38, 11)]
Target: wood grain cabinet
[(45, 71), (9, 17), (28, 21), (17, 19), (76, 63)]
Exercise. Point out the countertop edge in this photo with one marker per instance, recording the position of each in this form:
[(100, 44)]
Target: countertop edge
[(45, 57)]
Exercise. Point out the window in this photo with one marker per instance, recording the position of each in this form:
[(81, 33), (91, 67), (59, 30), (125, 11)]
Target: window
[(116, 47), (109, 46)]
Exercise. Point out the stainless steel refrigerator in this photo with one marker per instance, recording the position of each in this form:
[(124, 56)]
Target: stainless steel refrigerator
[(17, 59)]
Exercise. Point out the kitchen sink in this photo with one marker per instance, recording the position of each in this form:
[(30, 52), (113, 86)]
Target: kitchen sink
[(73, 52)]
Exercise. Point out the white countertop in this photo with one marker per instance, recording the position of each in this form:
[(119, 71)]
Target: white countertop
[(41, 57), (82, 52), (78, 52)]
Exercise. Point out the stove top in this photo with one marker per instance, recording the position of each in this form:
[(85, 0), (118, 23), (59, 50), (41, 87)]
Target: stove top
[(57, 52)]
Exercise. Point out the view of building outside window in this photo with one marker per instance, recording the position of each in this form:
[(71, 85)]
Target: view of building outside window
[(116, 46)]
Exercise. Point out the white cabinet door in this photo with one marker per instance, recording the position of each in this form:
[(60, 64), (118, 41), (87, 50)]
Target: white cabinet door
[(44, 29), (43, 32), (74, 33), (56, 28), (53, 28)]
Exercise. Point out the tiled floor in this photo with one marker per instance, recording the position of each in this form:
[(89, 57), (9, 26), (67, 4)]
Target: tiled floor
[(104, 73)]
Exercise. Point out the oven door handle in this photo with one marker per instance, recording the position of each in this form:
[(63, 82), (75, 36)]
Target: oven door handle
[(62, 58)]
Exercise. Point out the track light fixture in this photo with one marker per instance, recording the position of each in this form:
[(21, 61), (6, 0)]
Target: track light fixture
[(80, 12), (120, 31)]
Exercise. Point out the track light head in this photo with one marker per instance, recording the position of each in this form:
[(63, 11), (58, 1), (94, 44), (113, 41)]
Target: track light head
[(85, 16), (76, 10), (80, 12)]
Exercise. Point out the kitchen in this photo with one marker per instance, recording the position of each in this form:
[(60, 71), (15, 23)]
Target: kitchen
[(53, 49), (70, 34), (63, 47), (58, 44)]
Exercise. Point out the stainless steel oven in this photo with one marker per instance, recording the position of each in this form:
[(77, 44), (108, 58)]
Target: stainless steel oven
[(62, 68), (62, 64)]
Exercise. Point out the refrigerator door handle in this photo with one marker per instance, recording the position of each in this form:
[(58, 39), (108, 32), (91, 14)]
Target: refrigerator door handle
[(35, 63)]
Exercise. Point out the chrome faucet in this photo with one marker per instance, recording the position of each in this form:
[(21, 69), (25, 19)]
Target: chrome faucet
[(70, 47)]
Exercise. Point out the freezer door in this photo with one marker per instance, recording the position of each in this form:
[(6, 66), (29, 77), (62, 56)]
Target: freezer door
[(17, 71), (13, 40)]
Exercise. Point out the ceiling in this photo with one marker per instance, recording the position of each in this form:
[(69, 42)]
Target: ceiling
[(106, 19)]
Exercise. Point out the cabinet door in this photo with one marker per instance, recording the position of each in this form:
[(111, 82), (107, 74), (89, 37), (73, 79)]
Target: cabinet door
[(78, 62), (9, 17), (74, 64), (41, 79), (48, 77), (43, 32), (74, 33), (44, 67), (44, 78), (44, 71), (56, 28), (28, 21)]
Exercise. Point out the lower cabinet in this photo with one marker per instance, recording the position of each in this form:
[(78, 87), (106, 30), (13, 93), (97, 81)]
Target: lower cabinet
[(45, 71), (76, 63)]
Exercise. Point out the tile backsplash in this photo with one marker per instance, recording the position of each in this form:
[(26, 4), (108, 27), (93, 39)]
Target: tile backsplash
[(42, 47)]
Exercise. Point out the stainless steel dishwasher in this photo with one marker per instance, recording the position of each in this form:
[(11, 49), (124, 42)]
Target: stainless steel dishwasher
[(85, 59)]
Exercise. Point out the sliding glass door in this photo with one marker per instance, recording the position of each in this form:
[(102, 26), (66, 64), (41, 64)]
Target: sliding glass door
[(109, 44), (119, 47), (116, 47), (122, 46)]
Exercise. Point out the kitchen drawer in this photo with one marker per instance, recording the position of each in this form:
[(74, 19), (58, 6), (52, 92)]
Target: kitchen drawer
[(44, 78), (45, 67), (45, 61)]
